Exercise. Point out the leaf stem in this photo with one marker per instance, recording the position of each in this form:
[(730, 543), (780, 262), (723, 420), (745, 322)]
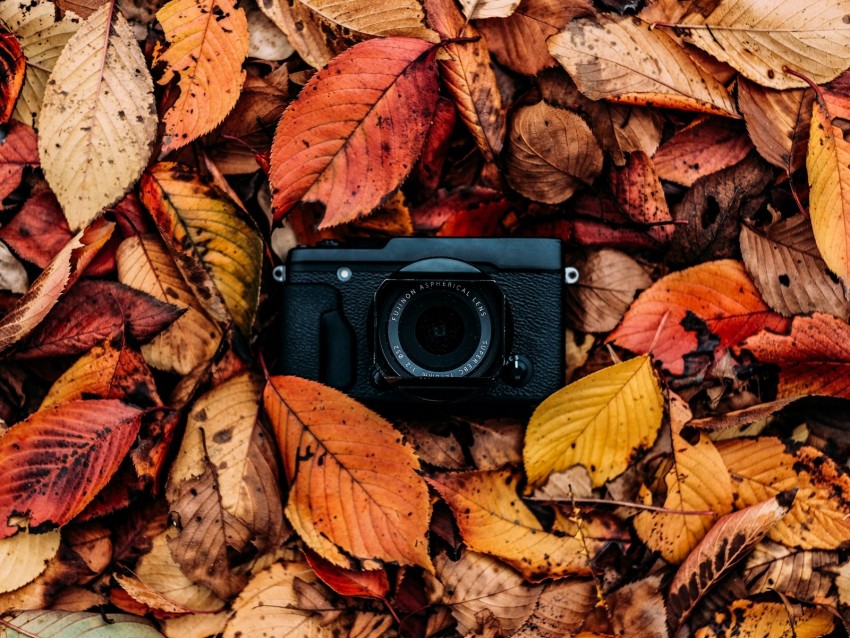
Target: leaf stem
[(640, 506)]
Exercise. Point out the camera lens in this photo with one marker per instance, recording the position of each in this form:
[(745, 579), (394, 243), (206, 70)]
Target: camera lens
[(439, 330)]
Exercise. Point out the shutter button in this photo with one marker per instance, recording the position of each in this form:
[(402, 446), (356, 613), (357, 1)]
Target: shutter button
[(517, 370)]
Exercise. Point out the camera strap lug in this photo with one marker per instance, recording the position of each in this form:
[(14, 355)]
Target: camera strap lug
[(571, 275)]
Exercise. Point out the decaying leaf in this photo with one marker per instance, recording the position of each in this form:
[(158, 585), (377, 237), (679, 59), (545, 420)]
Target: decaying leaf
[(638, 192), (98, 119), (551, 153), (638, 609), (396, 18), (351, 498), (749, 619), (561, 609), (799, 574), (376, 101), (24, 556), (580, 423), (18, 149)]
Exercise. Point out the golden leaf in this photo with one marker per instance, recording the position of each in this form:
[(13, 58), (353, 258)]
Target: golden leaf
[(24, 556), (387, 18), (750, 619)]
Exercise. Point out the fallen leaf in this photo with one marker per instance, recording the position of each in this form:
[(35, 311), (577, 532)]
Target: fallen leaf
[(493, 520), (219, 254), (798, 574), (607, 285), (394, 18), (638, 609), (750, 619), (705, 146), (98, 119), (787, 268), (641, 65), (812, 41), (265, 39), (476, 582), (13, 275), (144, 264), (726, 543), (814, 358), (367, 500), (60, 624), (828, 168), (42, 37), (718, 294), (18, 149), (207, 43), (429, 168), (147, 596), (551, 153), (348, 582), (518, 41), (39, 231), (496, 443), (480, 9), (45, 291), (562, 608), (24, 557), (95, 310), (638, 193), (777, 122), (12, 69), (600, 421), (386, 84), (92, 437), (195, 625)]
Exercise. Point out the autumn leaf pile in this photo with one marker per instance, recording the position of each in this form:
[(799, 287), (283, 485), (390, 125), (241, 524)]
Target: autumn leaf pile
[(157, 159)]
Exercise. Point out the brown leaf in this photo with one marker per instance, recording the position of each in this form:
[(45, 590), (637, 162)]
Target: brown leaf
[(18, 149), (551, 153), (390, 18), (799, 574), (638, 609), (561, 609), (496, 443), (703, 147), (750, 619), (383, 84), (639, 194), (787, 268), (729, 541)]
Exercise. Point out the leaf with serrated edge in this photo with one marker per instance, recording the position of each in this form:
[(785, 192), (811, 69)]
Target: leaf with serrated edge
[(269, 605), (206, 234), (761, 38), (24, 557), (356, 129), (751, 619), (98, 119), (63, 624), (477, 582), (54, 463), (354, 486), (762, 467), (639, 65), (799, 574), (144, 264), (42, 38), (788, 270), (493, 520), (207, 43), (388, 18), (828, 167), (147, 596), (730, 540), (600, 422)]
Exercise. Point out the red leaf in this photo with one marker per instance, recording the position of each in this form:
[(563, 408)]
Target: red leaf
[(638, 190), (96, 310), (430, 165), (12, 68), (54, 463), (356, 129), (39, 231), (347, 582), (18, 148), (468, 203)]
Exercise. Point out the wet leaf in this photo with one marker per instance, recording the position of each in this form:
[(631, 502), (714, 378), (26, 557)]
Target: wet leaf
[(98, 118), (640, 66), (18, 149), (359, 495), (64, 454), (750, 619), (24, 556), (579, 423), (718, 293), (551, 153), (385, 84), (59, 624), (207, 43)]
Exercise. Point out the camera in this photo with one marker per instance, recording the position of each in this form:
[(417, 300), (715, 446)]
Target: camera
[(438, 321)]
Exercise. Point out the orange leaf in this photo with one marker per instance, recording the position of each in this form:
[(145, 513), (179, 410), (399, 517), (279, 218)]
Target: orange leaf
[(354, 487), (355, 130), (18, 148), (207, 42), (719, 294), (54, 463), (814, 358), (12, 68)]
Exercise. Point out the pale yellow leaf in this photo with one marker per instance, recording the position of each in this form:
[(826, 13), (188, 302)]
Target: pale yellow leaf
[(388, 18), (195, 625), (600, 421), (760, 38), (98, 120), (24, 556), (480, 9)]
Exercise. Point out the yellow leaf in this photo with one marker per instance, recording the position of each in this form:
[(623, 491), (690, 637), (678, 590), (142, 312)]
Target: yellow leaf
[(828, 167), (751, 619), (24, 556), (698, 481), (98, 120), (354, 488), (625, 60), (190, 341), (493, 520), (760, 38), (387, 18), (600, 421), (207, 43)]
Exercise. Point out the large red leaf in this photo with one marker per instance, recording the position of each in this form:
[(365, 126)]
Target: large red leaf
[(18, 148), (718, 293), (54, 463), (356, 128)]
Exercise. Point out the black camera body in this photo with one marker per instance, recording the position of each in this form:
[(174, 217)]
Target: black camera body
[(452, 322)]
